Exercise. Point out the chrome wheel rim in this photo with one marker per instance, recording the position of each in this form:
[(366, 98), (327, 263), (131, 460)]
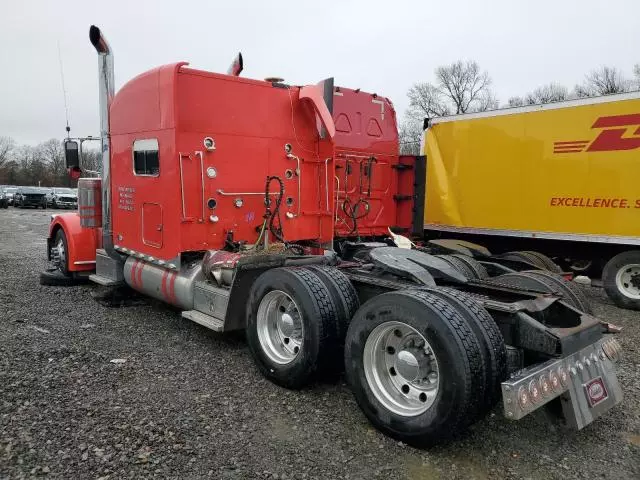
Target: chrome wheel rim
[(628, 281), (279, 325), (58, 255), (401, 369)]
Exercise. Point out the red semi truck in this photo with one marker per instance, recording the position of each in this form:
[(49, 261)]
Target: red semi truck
[(268, 207)]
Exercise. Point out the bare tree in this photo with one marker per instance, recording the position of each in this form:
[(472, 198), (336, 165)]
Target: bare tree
[(426, 100), (6, 147), (33, 168), (603, 81), (459, 88), (487, 101), (464, 85), (410, 133), (553, 92), (53, 155), (515, 102), (636, 73), (91, 159), (10, 173)]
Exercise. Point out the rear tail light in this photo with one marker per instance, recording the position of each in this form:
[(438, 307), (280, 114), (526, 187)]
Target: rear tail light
[(554, 380), (545, 386), (612, 349), (534, 391), (563, 376), (523, 398)]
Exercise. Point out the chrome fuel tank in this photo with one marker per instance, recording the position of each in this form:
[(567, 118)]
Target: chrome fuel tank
[(176, 288)]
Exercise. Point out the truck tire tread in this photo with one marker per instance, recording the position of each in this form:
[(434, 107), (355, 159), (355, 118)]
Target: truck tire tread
[(570, 289), (525, 256), (319, 316), (545, 260), (491, 340), (458, 265), (461, 345), (55, 278), (478, 269), (543, 282), (344, 295)]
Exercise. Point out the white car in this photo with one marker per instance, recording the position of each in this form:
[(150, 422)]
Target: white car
[(60, 197), (9, 192)]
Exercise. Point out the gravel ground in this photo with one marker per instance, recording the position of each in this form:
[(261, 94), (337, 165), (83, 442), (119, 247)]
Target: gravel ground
[(188, 403)]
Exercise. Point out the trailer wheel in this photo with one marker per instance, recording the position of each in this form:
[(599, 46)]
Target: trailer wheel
[(492, 346), (621, 279), (415, 366), (479, 270), (290, 323), (343, 294), (546, 282)]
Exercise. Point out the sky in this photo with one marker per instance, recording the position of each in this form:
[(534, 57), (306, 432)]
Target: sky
[(378, 46)]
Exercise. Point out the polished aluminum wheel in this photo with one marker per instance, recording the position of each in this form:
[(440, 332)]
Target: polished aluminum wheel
[(279, 326), (401, 369), (58, 255), (628, 281)]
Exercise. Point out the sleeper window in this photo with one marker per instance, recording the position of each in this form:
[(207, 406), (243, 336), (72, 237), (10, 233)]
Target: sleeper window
[(145, 157)]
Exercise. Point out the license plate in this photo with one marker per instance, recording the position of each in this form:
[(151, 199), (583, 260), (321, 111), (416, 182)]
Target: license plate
[(595, 391)]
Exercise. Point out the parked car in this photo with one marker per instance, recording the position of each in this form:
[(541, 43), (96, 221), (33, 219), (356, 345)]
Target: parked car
[(61, 197), (30, 197), (4, 201), (9, 192)]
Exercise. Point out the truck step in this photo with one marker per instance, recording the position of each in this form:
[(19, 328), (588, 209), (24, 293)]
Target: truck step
[(205, 320), (104, 281)]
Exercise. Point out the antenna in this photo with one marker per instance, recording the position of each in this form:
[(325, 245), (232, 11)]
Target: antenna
[(64, 91)]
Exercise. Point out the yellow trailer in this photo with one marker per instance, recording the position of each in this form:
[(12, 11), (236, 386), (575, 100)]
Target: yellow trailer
[(566, 172)]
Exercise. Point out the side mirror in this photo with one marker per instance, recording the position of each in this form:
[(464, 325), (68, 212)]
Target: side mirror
[(71, 154)]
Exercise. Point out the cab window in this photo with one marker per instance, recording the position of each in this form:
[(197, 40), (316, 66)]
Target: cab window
[(145, 157)]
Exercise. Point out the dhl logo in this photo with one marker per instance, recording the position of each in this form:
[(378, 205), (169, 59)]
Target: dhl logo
[(622, 132)]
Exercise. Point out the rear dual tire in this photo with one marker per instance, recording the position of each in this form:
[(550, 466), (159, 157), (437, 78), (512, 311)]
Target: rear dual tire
[(401, 344), (296, 322), (422, 364)]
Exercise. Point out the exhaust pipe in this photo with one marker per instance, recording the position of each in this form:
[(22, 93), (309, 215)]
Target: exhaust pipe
[(106, 87)]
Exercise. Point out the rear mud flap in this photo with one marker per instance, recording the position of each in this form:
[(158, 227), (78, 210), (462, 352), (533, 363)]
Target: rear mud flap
[(585, 382), (594, 389)]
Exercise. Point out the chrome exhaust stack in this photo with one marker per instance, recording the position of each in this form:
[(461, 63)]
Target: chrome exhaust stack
[(107, 90)]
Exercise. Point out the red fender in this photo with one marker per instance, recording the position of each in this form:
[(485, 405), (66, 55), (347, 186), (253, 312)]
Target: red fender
[(82, 243)]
